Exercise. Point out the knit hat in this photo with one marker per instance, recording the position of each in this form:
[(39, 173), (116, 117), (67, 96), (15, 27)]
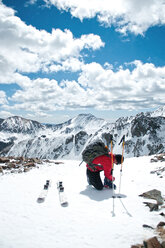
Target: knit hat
[(118, 158)]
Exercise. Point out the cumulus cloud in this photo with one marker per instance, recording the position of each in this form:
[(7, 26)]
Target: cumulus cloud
[(25, 49), (70, 64), (126, 15), (142, 87), (67, 94), (5, 114), (97, 87), (3, 99)]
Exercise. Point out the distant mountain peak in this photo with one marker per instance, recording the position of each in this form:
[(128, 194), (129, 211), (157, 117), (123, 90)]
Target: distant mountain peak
[(158, 112), (87, 117), (18, 124)]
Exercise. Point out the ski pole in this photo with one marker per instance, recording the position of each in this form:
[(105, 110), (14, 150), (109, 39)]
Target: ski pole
[(123, 143), (113, 196), (81, 162)]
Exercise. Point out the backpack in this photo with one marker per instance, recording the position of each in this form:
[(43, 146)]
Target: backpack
[(92, 151)]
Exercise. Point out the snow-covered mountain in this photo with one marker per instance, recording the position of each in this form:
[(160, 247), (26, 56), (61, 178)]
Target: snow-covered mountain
[(17, 124), (21, 137), (159, 112)]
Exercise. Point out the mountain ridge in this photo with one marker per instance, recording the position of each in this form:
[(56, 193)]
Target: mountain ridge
[(23, 137)]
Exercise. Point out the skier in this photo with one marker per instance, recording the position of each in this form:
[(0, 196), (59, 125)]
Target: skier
[(103, 163)]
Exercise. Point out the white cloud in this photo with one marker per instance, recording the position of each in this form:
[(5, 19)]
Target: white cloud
[(30, 2), (48, 95), (143, 87), (135, 16), (70, 64), (3, 99), (23, 48), (96, 87), (5, 114)]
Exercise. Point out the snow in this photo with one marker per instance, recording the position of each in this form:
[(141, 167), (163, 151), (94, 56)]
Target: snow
[(87, 222), (159, 112)]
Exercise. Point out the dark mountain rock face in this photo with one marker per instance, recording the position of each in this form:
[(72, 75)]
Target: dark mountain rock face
[(142, 125)]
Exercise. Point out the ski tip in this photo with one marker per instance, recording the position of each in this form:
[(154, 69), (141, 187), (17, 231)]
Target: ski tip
[(40, 200), (65, 204), (59, 184), (48, 182)]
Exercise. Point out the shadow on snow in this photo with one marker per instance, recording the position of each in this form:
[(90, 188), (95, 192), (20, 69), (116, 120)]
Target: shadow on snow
[(100, 195)]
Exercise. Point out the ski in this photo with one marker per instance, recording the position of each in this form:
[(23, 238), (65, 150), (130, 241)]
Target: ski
[(44, 192), (62, 195)]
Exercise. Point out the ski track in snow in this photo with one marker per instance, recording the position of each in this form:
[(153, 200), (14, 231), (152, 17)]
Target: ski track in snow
[(87, 221)]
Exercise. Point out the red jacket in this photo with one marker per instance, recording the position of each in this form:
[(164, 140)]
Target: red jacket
[(106, 163)]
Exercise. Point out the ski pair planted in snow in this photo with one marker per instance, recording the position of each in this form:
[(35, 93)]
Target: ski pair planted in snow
[(62, 195)]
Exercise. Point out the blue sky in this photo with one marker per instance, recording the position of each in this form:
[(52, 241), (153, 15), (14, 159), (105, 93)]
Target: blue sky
[(61, 58)]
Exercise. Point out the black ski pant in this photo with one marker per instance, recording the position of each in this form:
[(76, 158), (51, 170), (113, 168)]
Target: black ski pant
[(95, 179)]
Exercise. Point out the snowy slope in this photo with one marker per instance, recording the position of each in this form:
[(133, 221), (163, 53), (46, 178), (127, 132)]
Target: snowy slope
[(158, 112), (87, 221)]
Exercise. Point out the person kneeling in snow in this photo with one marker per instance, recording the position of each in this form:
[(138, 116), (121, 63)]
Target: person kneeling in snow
[(103, 163)]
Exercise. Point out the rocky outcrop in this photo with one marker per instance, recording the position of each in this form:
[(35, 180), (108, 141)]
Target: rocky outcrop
[(158, 158), (157, 241), (20, 164), (155, 195), (160, 171)]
